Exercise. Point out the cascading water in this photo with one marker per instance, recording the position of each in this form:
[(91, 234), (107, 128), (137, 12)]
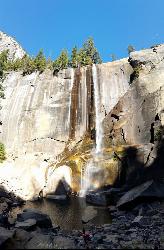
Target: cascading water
[(98, 118), (90, 176)]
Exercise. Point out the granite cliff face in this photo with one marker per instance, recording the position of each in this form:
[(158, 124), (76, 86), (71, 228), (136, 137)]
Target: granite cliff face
[(8, 43), (46, 118), (140, 111)]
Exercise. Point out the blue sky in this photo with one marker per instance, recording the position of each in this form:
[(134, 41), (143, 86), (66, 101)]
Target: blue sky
[(57, 24)]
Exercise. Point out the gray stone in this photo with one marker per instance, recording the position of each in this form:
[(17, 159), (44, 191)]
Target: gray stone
[(98, 199), (11, 220), (3, 220), (42, 220), (88, 214), (146, 190), (137, 220), (26, 225), (61, 242), (57, 197), (5, 235), (39, 241), (3, 207), (112, 209), (20, 239)]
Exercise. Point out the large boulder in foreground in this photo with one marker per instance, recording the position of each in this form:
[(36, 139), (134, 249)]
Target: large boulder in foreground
[(42, 220), (147, 191)]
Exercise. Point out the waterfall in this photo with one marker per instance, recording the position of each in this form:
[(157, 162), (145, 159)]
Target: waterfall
[(98, 115), (90, 175)]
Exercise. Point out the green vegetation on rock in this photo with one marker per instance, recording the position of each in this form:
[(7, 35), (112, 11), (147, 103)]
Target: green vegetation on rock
[(3, 62), (61, 62), (136, 72), (74, 60), (2, 152), (87, 55), (159, 133)]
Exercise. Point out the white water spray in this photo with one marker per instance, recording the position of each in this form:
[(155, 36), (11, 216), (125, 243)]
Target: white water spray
[(90, 176), (98, 118)]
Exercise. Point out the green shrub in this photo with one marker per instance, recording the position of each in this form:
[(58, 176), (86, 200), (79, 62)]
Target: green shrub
[(3, 61), (158, 134), (2, 152), (136, 72), (2, 95)]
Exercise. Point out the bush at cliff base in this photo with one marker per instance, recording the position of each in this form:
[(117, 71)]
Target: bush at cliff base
[(2, 152)]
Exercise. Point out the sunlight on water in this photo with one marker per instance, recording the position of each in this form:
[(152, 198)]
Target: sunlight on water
[(92, 169)]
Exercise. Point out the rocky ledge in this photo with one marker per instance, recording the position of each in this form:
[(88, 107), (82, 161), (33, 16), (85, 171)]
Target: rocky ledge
[(141, 227)]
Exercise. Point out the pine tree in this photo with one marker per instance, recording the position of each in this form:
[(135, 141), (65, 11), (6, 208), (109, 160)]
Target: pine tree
[(84, 59), (113, 57), (40, 61), (74, 61), (61, 62), (91, 51), (130, 49)]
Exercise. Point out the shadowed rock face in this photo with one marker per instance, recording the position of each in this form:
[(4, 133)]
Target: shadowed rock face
[(44, 115), (140, 111)]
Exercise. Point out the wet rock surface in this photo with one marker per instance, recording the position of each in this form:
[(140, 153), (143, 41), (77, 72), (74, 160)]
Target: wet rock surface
[(41, 220)]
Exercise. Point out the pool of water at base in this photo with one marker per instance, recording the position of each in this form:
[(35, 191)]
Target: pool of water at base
[(69, 215)]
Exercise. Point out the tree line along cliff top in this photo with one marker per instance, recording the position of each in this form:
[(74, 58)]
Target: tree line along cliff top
[(87, 55)]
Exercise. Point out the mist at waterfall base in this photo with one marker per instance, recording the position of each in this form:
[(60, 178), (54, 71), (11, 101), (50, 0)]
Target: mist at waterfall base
[(68, 216), (90, 179)]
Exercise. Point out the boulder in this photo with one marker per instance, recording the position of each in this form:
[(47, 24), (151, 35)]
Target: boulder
[(26, 225), (3, 220), (98, 199), (39, 241), (5, 235), (89, 214), (57, 198), (4, 194), (137, 220), (149, 190), (20, 239), (42, 220), (3, 207), (61, 242), (11, 220)]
